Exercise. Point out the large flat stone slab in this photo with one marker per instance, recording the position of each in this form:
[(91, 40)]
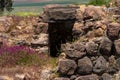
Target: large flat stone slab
[(59, 13)]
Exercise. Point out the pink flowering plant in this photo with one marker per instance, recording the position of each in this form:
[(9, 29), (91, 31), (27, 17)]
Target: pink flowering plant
[(16, 55)]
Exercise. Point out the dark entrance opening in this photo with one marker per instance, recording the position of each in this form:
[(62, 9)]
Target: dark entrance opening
[(59, 32), (60, 21)]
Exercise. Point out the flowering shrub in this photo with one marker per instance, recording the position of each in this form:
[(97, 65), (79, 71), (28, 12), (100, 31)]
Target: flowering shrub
[(12, 55), (20, 55), (15, 49)]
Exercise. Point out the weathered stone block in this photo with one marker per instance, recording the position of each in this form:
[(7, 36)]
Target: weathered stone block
[(95, 13), (91, 48), (62, 78), (105, 46), (100, 65), (106, 76), (88, 77), (117, 46), (113, 30), (75, 50), (59, 13), (85, 66), (67, 67)]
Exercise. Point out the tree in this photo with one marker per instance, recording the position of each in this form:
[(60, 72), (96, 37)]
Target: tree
[(6, 4)]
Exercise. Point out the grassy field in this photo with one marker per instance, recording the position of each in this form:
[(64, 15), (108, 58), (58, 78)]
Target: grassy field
[(36, 8)]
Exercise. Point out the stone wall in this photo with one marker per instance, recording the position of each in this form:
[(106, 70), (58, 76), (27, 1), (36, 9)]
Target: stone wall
[(94, 53)]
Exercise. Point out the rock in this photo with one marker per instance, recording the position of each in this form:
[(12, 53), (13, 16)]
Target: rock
[(73, 77), (106, 76), (14, 33), (21, 42), (85, 66), (90, 35), (45, 74), (117, 46), (43, 49), (61, 79), (112, 68), (41, 28), (97, 40), (82, 8), (67, 67), (88, 26), (98, 24), (95, 13), (77, 32), (113, 31), (91, 48), (118, 63), (88, 77), (5, 78), (57, 13), (79, 15), (100, 65), (75, 50), (105, 46), (99, 32), (117, 3), (41, 41), (115, 11), (21, 77)]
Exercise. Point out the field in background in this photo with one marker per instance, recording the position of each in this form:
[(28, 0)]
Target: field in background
[(36, 8)]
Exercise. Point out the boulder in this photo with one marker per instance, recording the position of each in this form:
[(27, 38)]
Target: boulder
[(112, 68), (61, 79), (100, 65), (75, 50), (88, 26), (85, 66), (118, 63), (117, 2), (41, 28), (113, 30), (99, 32), (88, 77), (105, 46), (79, 15), (91, 48), (41, 41), (67, 67), (76, 31), (5, 78), (93, 12), (73, 77), (106, 76), (117, 46)]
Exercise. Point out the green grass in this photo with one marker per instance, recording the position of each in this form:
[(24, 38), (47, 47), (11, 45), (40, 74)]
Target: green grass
[(26, 14), (21, 14)]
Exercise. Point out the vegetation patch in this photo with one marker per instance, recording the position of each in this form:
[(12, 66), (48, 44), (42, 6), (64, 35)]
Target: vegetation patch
[(21, 55), (26, 14), (99, 2)]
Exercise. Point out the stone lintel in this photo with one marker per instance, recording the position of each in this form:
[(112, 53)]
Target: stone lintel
[(59, 13)]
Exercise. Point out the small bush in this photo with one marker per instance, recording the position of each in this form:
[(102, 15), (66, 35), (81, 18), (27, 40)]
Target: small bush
[(99, 2), (24, 56), (15, 55)]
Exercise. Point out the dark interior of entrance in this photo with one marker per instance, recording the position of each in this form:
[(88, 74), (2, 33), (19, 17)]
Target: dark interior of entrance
[(60, 32)]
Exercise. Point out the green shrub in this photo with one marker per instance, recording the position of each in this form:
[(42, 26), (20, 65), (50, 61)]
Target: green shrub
[(99, 2)]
